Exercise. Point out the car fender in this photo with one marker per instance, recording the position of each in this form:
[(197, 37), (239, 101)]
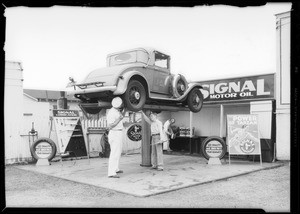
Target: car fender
[(175, 80), (190, 87), (124, 79)]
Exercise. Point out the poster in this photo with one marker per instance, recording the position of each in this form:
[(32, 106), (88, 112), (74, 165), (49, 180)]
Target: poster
[(243, 135)]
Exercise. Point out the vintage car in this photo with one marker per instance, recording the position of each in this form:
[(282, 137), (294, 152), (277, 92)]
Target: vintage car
[(140, 76)]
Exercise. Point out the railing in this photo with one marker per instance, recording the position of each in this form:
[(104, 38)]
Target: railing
[(94, 141), (95, 123)]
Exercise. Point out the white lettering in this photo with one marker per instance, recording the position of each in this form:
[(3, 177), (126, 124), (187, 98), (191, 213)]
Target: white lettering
[(205, 91), (246, 94), (261, 87), (235, 86), (248, 85), (212, 89), (220, 89), (217, 96)]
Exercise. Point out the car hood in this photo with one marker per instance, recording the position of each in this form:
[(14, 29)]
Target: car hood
[(108, 75)]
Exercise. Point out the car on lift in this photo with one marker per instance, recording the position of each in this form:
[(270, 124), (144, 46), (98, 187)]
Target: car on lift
[(140, 76)]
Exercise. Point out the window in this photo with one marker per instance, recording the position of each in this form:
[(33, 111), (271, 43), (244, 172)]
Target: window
[(123, 58), (161, 60)]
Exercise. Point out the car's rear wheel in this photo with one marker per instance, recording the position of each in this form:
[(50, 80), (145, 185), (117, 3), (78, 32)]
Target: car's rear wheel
[(135, 96), (195, 100)]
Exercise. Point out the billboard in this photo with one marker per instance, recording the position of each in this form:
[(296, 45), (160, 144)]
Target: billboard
[(243, 88)]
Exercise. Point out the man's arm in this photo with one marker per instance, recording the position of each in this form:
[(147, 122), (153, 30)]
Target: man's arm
[(146, 118), (167, 129), (112, 125)]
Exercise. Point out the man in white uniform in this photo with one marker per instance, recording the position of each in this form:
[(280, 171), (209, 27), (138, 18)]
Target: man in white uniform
[(169, 134), (115, 125)]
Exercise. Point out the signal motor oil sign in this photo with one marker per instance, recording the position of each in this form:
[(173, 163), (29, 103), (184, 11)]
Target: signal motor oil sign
[(243, 135), (243, 88)]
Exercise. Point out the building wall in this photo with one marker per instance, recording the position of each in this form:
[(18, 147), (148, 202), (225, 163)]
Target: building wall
[(13, 105), (207, 121), (264, 111), (35, 115), (283, 30)]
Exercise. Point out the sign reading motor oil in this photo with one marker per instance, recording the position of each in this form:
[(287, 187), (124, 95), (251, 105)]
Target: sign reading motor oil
[(244, 88)]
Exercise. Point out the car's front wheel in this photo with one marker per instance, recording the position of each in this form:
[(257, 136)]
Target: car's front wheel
[(135, 96), (195, 100)]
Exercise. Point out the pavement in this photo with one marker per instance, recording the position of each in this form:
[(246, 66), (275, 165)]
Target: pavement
[(180, 171)]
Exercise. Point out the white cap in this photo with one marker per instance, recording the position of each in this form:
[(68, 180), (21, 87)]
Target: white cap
[(116, 102)]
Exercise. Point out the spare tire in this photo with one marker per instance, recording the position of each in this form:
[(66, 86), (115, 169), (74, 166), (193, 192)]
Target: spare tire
[(179, 85), (43, 148)]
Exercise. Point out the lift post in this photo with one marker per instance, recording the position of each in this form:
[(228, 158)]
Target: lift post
[(146, 149)]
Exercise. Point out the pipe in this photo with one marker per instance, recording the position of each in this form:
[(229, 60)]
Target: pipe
[(221, 120)]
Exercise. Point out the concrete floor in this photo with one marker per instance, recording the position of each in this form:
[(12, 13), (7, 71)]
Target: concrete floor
[(179, 172)]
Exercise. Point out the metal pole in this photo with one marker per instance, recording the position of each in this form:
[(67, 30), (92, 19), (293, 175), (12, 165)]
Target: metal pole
[(221, 120), (191, 125)]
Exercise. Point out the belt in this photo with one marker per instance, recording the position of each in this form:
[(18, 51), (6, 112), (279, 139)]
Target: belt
[(155, 134), (116, 129)]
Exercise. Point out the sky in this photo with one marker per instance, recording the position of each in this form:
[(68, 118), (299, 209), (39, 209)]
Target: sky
[(204, 42)]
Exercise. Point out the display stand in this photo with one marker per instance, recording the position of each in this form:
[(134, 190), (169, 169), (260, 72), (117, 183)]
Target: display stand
[(42, 162), (214, 161)]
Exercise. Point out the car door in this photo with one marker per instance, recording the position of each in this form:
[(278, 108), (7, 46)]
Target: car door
[(161, 74)]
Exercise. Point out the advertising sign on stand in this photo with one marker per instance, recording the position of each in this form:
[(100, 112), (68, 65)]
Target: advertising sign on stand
[(69, 132), (243, 135)]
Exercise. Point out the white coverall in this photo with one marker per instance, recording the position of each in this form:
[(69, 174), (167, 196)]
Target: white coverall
[(166, 127), (156, 149), (115, 139)]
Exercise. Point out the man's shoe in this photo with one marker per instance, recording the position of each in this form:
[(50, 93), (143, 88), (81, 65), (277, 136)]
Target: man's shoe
[(154, 167), (160, 169), (120, 171), (114, 176)]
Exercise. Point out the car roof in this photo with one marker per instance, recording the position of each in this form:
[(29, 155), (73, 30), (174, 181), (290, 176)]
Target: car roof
[(147, 49)]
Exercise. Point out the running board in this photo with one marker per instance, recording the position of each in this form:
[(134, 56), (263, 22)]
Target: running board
[(178, 99), (165, 108)]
